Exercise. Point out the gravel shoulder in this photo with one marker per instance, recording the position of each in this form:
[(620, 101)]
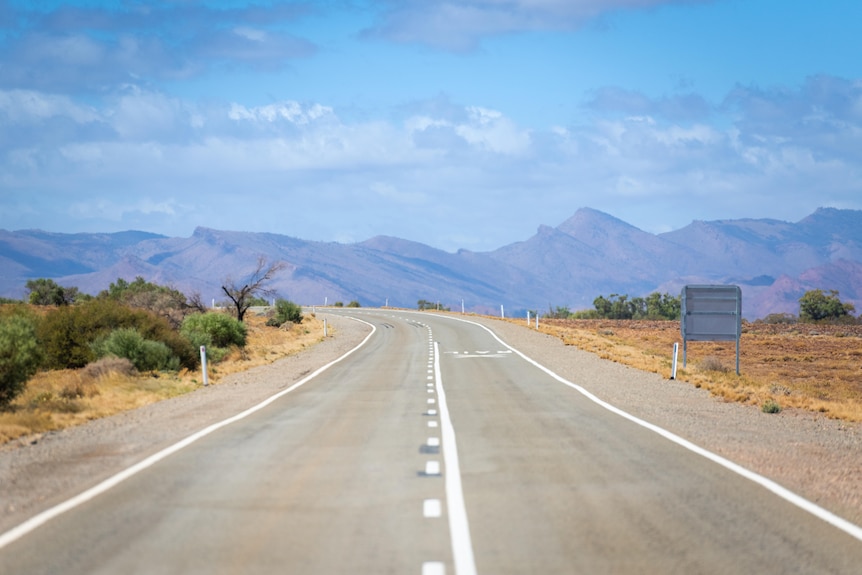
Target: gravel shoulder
[(816, 457)]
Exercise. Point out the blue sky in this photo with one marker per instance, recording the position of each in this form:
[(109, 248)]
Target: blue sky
[(459, 124)]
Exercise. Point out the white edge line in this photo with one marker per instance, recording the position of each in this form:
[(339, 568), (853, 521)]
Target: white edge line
[(851, 529), (38, 520), (459, 527)]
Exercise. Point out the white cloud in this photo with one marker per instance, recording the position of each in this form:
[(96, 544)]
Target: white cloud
[(460, 25), (28, 106), (447, 164)]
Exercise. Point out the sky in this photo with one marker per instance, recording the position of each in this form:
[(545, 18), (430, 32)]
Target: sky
[(458, 124)]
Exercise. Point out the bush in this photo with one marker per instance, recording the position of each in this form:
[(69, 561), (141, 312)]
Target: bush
[(108, 365), (712, 363), (285, 311), (68, 332), (214, 329), (19, 356), (770, 406), (145, 354)]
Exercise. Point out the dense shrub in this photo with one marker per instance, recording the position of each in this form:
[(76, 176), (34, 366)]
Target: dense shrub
[(285, 311), (19, 355), (214, 329), (817, 305), (163, 301), (68, 332), (145, 354)]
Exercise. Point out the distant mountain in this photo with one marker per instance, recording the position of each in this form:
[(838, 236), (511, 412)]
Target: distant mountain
[(589, 254)]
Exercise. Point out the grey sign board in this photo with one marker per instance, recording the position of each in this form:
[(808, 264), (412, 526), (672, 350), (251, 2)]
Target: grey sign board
[(711, 313)]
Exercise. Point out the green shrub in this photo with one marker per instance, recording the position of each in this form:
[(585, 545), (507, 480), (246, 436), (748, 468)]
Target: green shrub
[(770, 406), (214, 329), (19, 356), (285, 311), (145, 354), (68, 332)]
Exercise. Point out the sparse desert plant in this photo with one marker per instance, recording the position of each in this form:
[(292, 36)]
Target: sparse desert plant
[(108, 365), (770, 406), (712, 363), (285, 311)]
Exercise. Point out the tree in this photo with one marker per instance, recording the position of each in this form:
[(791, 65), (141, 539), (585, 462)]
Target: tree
[(48, 292), (815, 305), (20, 356), (255, 285), (166, 302)]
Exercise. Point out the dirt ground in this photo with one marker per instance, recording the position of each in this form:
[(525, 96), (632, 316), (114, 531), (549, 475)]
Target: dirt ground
[(808, 366)]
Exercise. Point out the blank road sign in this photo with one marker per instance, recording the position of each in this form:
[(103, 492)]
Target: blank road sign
[(711, 313)]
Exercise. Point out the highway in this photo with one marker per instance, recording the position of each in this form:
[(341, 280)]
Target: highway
[(433, 448)]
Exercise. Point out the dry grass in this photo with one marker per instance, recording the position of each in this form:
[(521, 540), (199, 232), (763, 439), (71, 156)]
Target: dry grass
[(816, 368), (59, 399)]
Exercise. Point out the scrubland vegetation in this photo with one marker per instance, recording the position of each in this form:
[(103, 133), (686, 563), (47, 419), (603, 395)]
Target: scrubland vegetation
[(67, 358)]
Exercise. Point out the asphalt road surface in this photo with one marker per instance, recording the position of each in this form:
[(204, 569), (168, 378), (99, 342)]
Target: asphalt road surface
[(431, 449)]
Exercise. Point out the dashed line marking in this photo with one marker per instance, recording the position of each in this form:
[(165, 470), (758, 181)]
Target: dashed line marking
[(431, 401), (433, 568), (432, 508), (432, 424), (432, 467), (432, 412), (433, 442)]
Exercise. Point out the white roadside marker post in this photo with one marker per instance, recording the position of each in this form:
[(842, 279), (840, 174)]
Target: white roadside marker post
[(675, 355), (204, 365)]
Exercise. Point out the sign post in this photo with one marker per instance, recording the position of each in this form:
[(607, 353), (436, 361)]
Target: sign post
[(711, 313)]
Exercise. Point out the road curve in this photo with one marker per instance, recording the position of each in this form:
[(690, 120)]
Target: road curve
[(433, 448)]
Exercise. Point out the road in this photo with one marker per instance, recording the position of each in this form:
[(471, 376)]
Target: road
[(434, 448)]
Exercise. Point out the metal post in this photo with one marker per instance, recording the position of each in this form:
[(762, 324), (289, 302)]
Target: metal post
[(204, 365), (325, 330), (675, 356), (737, 356), (502, 312)]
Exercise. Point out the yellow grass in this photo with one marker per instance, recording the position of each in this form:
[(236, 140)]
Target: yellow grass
[(58, 399), (815, 368)]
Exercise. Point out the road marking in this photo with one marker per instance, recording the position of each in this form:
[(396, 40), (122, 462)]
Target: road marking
[(847, 527), (432, 424), (34, 522), (432, 508), (432, 468), (433, 568), (431, 401), (459, 527), (433, 442), (432, 412)]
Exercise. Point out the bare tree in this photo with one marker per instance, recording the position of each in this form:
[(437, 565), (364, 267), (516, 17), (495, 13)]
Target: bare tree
[(255, 285)]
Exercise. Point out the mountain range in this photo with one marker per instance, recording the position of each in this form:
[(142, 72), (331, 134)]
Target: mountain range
[(589, 254)]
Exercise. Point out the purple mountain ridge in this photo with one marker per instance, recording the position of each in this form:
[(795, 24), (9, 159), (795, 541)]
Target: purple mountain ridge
[(589, 254)]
